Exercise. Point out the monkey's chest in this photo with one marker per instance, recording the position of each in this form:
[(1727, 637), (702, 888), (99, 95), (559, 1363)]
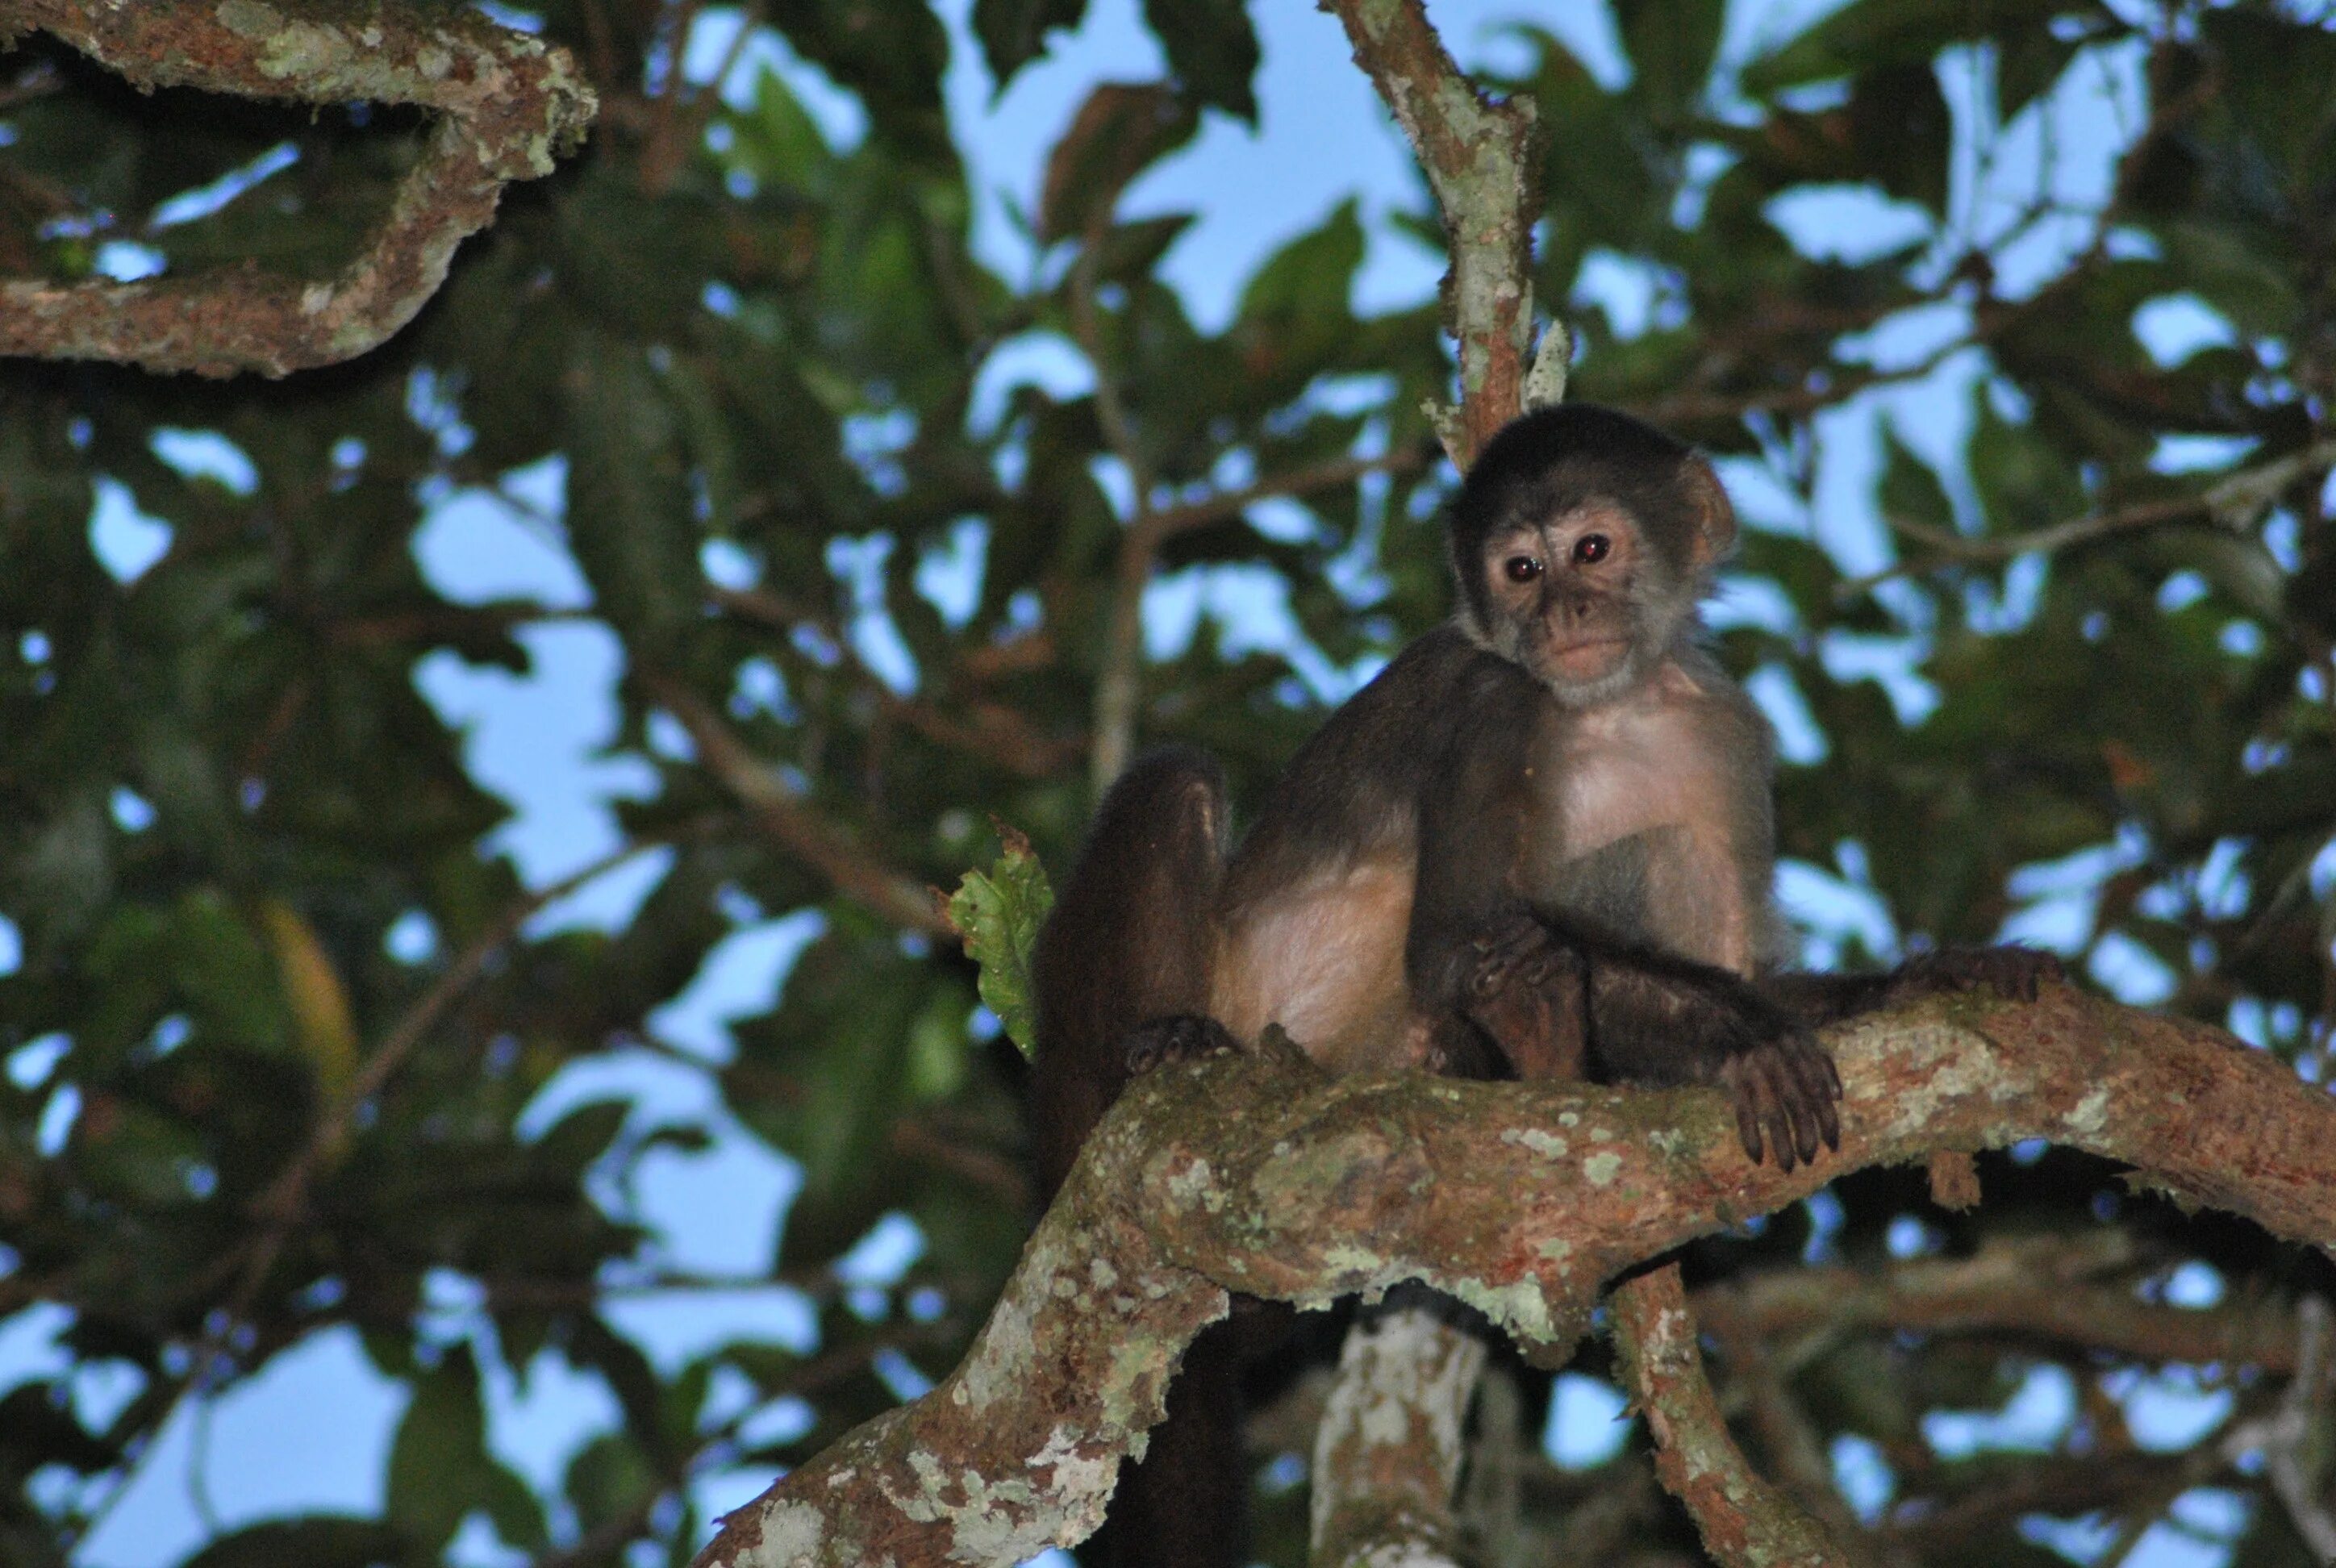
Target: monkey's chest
[(1640, 837)]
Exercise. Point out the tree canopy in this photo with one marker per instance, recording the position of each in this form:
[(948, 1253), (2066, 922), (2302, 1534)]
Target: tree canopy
[(2011, 325)]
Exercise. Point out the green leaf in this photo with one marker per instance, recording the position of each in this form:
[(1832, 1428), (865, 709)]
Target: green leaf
[(1910, 490), (997, 915), (2027, 62), (893, 57), (628, 508), (607, 1478), (1671, 43), (1871, 33), (1902, 133), (315, 1540), (438, 1463), (1213, 50), (1301, 290), (1118, 133), (1013, 33)]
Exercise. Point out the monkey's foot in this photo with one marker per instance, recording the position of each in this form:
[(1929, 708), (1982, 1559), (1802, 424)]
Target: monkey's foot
[(2015, 972), (1179, 1038), (1786, 1087), (1526, 991)]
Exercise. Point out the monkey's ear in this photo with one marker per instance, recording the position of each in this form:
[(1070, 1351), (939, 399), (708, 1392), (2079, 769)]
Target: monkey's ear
[(1713, 518)]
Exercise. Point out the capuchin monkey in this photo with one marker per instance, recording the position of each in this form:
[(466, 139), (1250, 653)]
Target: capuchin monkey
[(1538, 845)]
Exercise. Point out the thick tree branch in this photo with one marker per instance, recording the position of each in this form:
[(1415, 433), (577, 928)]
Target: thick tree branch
[(507, 105), (1260, 1175), (1389, 1447)]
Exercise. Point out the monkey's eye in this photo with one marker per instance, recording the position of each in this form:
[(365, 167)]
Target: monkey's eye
[(1590, 548), (1522, 568)]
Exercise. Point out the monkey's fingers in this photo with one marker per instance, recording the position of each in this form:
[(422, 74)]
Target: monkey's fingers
[(1820, 1085), (1784, 1138), (1747, 1113), (1179, 1038), (1804, 1103), (2032, 971), (1762, 1106)]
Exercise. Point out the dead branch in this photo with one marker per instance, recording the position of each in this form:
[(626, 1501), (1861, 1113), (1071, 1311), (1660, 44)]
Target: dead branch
[(507, 104)]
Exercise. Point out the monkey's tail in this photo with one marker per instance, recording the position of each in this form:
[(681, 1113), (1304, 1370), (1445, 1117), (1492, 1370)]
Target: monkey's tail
[(1131, 939)]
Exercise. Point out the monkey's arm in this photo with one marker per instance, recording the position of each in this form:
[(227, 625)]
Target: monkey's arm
[(2014, 973), (1480, 969)]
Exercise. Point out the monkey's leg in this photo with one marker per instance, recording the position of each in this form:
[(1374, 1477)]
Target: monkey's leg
[(1185, 1503)]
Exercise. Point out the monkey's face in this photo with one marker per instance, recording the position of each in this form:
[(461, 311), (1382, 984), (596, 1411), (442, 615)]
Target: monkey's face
[(1568, 598)]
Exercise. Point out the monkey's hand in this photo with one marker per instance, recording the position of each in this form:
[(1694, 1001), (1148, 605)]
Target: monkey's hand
[(2015, 972), (1178, 1038), (1787, 1087), (1527, 990)]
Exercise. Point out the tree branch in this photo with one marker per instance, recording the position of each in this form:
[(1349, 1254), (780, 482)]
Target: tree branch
[(2234, 503), (1258, 1175), (1389, 1450), (782, 813), (2022, 1290), (1479, 158), (507, 102), (1743, 1519)]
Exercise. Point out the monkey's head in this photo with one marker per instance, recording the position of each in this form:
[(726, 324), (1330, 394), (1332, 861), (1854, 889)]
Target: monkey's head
[(1583, 539)]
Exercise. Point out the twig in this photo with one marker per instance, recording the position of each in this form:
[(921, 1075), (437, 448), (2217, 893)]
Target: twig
[(1789, 1442), (995, 733), (2020, 1290), (283, 1199), (1329, 474), (2234, 505), (2286, 1436), (1117, 682), (781, 813)]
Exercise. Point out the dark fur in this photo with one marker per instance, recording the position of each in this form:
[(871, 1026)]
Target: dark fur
[(1517, 960)]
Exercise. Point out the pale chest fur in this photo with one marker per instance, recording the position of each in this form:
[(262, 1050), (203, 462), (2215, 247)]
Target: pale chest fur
[(1659, 827)]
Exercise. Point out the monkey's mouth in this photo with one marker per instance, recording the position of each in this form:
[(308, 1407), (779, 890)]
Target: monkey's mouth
[(1590, 657)]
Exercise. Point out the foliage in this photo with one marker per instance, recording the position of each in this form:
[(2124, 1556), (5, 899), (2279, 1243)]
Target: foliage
[(997, 915), (300, 1045)]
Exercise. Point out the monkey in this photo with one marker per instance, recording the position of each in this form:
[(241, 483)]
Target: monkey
[(1538, 844)]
